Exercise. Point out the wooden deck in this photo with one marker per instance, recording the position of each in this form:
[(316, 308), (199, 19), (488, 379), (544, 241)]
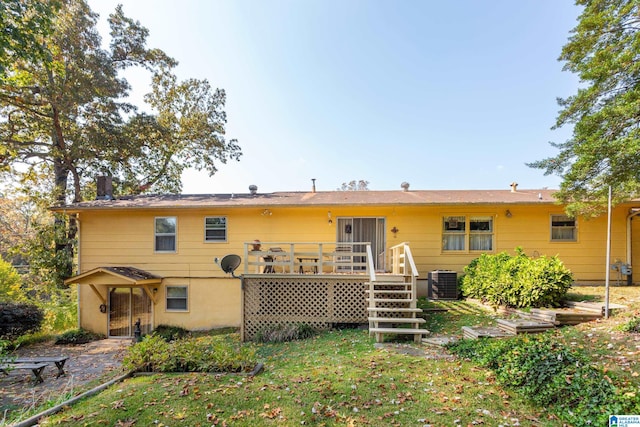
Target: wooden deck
[(308, 258), (326, 284)]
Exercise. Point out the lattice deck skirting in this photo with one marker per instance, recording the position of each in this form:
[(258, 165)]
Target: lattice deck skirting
[(319, 300)]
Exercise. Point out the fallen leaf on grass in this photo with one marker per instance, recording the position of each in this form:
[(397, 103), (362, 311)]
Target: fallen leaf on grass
[(180, 416), (272, 413), (240, 415)]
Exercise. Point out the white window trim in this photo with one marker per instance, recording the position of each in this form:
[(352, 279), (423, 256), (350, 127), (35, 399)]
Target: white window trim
[(468, 233), (464, 233), (175, 236), (166, 299), (575, 229), (226, 229)]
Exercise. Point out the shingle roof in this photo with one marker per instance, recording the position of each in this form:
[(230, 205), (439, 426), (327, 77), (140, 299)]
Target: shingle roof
[(320, 198), (131, 274)]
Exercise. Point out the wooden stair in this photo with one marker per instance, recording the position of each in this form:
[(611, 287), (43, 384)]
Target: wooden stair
[(393, 309)]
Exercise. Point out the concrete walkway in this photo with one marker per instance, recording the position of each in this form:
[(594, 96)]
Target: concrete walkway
[(98, 360)]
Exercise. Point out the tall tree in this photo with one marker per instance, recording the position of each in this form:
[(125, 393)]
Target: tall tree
[(604, 149), (63, 114), (24, 24)]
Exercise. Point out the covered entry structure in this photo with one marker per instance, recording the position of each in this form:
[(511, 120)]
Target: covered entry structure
[(125, 295)]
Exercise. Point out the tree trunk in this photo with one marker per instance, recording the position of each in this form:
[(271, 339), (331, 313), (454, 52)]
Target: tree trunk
[(64, 236)]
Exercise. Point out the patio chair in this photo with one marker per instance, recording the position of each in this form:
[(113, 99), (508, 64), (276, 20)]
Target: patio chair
[(268, 268), (278, 256)]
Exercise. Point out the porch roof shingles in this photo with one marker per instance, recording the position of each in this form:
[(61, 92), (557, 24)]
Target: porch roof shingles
[(130, 275), (320, 198)]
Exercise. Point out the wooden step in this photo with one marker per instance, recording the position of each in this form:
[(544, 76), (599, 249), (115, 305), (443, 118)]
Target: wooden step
[(594, 307), (397, 320), (403, 300), (390, 278), (416, 332), (401, 331), (401, 284), (389, 282), (521, 326), (389, 291), (394, 310), (476, 332)]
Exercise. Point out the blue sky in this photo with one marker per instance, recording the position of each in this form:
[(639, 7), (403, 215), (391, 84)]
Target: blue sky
[(440, 94)]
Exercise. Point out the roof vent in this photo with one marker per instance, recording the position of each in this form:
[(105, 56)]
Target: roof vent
[(405, 186), (253, 189), (514, 186), (313, 185)]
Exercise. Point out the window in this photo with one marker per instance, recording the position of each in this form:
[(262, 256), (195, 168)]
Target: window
[(478, 231), (453, 233), (563, 229), (481, 233), (215, 229), (165, 233), (177, 298)]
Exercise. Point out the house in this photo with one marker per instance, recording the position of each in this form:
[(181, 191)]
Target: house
[(157, 257)]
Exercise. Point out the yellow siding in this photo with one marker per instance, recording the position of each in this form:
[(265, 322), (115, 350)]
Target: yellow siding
[(89, 309), (212, 303), (126, 238)]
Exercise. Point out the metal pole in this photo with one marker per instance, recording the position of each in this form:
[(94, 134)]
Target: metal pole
[(606, 283)]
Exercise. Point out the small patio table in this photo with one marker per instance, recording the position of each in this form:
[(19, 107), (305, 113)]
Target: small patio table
[(303, 259)]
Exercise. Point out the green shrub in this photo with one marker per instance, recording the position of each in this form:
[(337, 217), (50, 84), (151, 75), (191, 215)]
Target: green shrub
[(552, 376), (4, 351), (282, 332), (60, 310), (170, 333), (78, 336), (10, 284), (221, 353), (18, 319), (632, 325), (149, 355), (516, 281)]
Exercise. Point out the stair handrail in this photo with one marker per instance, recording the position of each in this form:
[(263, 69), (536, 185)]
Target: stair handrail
[(402, 263), (414, 274), (409, 256), (370, 267), (402, 260)]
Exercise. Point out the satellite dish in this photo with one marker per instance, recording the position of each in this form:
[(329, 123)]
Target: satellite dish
[(229, 263)]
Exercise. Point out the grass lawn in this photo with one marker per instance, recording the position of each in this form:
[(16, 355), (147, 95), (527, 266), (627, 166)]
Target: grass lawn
[(342, 378)]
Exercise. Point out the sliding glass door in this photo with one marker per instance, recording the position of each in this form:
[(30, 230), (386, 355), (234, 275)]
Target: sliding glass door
[(354, 229), (126, 306)]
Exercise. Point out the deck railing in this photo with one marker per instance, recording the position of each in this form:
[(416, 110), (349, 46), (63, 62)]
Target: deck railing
[(402, 263), (308, 257)]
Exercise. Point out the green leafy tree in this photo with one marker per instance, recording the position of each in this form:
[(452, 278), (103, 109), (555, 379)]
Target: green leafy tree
[(604, 149), (62, 116), (24, 24), (10, 284)]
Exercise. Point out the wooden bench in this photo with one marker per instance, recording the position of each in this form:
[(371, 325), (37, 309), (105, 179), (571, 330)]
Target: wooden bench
[(58, 360), (36, 368)]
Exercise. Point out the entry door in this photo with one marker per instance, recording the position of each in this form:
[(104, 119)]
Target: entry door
[(126, 306), (364, 230)]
